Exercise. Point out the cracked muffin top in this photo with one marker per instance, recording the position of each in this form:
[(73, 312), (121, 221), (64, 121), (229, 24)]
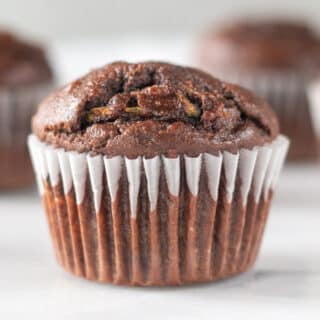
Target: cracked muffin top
[(266, 44), (21, 63), (153, 108)]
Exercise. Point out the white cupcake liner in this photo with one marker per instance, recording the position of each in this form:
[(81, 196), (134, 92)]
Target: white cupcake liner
[(137, 221), (259, 167), (314, 101), (17, 106)]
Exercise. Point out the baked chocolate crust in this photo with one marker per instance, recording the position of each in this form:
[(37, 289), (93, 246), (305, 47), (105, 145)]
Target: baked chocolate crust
[(21, 63), (153, 108), (261, 44)]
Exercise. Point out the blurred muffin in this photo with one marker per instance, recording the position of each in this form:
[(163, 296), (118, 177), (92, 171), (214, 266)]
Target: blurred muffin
[(25, 78), (276, 59), (155, 174)]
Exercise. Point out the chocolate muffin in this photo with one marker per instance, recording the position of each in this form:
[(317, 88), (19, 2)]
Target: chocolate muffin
[(277, 60), (25, 78), (155, 174)]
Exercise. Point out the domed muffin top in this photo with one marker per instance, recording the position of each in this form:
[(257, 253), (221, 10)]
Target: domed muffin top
[(269, 44), (21, 63), (152, 108)]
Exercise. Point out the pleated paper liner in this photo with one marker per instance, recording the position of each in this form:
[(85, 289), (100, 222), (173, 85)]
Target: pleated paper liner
[(314, 101), (287, 94), (157, 221), (17, 106)]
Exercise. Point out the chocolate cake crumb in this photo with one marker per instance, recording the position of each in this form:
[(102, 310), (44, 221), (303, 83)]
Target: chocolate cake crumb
[(152, 107)]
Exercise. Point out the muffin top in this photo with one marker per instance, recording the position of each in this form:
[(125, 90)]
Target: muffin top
[(261, 44), (21, 63), (152, 108)]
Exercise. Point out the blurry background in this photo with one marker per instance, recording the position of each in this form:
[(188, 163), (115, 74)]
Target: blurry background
[(64, 19), (84, 34)]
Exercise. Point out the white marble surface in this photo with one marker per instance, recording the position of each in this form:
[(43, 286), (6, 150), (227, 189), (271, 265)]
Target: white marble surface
[(285, 283)]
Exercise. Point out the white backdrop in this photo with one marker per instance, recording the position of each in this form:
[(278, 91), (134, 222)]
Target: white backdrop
[(83, 18)]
